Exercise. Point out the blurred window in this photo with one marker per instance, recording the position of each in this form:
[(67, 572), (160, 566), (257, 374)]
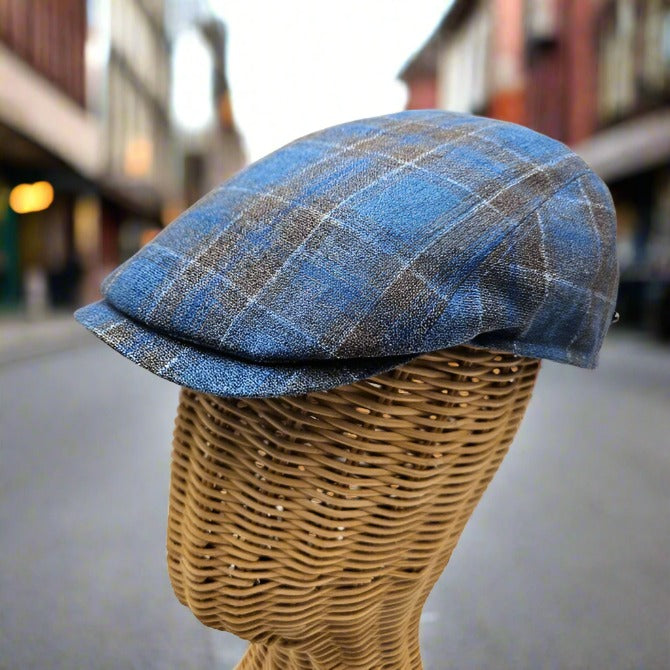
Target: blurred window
[(634, 57), (463, 77), (541, 20)]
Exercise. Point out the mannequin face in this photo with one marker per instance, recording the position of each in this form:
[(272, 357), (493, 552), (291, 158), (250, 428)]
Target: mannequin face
[(286, 513)]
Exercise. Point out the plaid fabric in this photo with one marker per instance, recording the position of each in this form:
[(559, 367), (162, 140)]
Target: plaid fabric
[(356, 248)]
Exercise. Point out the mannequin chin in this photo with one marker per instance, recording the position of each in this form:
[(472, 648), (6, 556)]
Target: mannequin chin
[(315, 526)]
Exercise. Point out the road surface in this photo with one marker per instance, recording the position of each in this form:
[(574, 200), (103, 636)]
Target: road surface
[(565, 563)]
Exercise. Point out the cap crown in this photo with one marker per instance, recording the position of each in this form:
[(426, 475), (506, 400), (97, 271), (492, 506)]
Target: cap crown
[(393, 235)]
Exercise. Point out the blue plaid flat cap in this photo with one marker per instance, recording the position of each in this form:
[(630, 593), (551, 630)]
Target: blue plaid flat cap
[(359, 247)]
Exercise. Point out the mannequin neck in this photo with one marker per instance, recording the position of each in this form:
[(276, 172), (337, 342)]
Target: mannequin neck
[(383, 645)]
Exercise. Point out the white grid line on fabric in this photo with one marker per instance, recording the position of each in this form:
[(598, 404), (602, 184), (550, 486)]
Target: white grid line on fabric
[(401, 123), (295, 374), (182, 344), (235, 288), (294, 327), (341, 149), (442, 176), (419, 168), (267, 309), (418, 275), (274, 314), (326, 216), (345, 226), (110, 328), (516, 182), (169, 364), (521, 157), (309, 208), (565, 282), (338, 222), (106, 332), (341, 223), (594, 227), (509, 149), (560, 280), (547, 278), (239, 216)]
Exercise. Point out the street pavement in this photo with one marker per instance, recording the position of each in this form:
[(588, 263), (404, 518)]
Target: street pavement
[(565, 563), (24, 336)]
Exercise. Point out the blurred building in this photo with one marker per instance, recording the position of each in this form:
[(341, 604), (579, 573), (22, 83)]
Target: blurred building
[(128, 56), (212, 143), (221, 152), (92, 161), (84, 109), (592, 73), (473, 62), (50, 148), (629, 147)]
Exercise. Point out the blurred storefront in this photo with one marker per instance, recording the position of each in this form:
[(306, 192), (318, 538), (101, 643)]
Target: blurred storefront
[(50, 145), (592, 73), (128, 56), (86, 112), (630, 148)]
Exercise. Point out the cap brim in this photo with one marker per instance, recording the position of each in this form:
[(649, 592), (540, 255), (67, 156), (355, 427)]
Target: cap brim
[(210, 371)]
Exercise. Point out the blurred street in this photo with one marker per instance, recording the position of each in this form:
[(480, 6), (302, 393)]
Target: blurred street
[(563, 565), (116, 116)]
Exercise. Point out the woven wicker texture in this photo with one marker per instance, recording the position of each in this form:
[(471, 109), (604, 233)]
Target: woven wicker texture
[(315, 526)]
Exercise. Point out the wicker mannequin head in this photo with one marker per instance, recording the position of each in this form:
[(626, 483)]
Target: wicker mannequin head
[(315, 526)]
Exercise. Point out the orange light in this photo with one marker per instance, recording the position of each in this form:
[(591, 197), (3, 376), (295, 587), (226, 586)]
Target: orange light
[(138, 157), (171, 210), (148, 235), (26, 198), (86, 219)]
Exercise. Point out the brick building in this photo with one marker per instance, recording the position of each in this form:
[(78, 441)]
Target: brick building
[(592, 73)]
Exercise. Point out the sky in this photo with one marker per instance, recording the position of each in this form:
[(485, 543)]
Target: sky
[(295, 66)]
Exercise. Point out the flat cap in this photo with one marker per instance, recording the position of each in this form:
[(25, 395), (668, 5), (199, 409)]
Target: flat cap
[(359, 247)]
